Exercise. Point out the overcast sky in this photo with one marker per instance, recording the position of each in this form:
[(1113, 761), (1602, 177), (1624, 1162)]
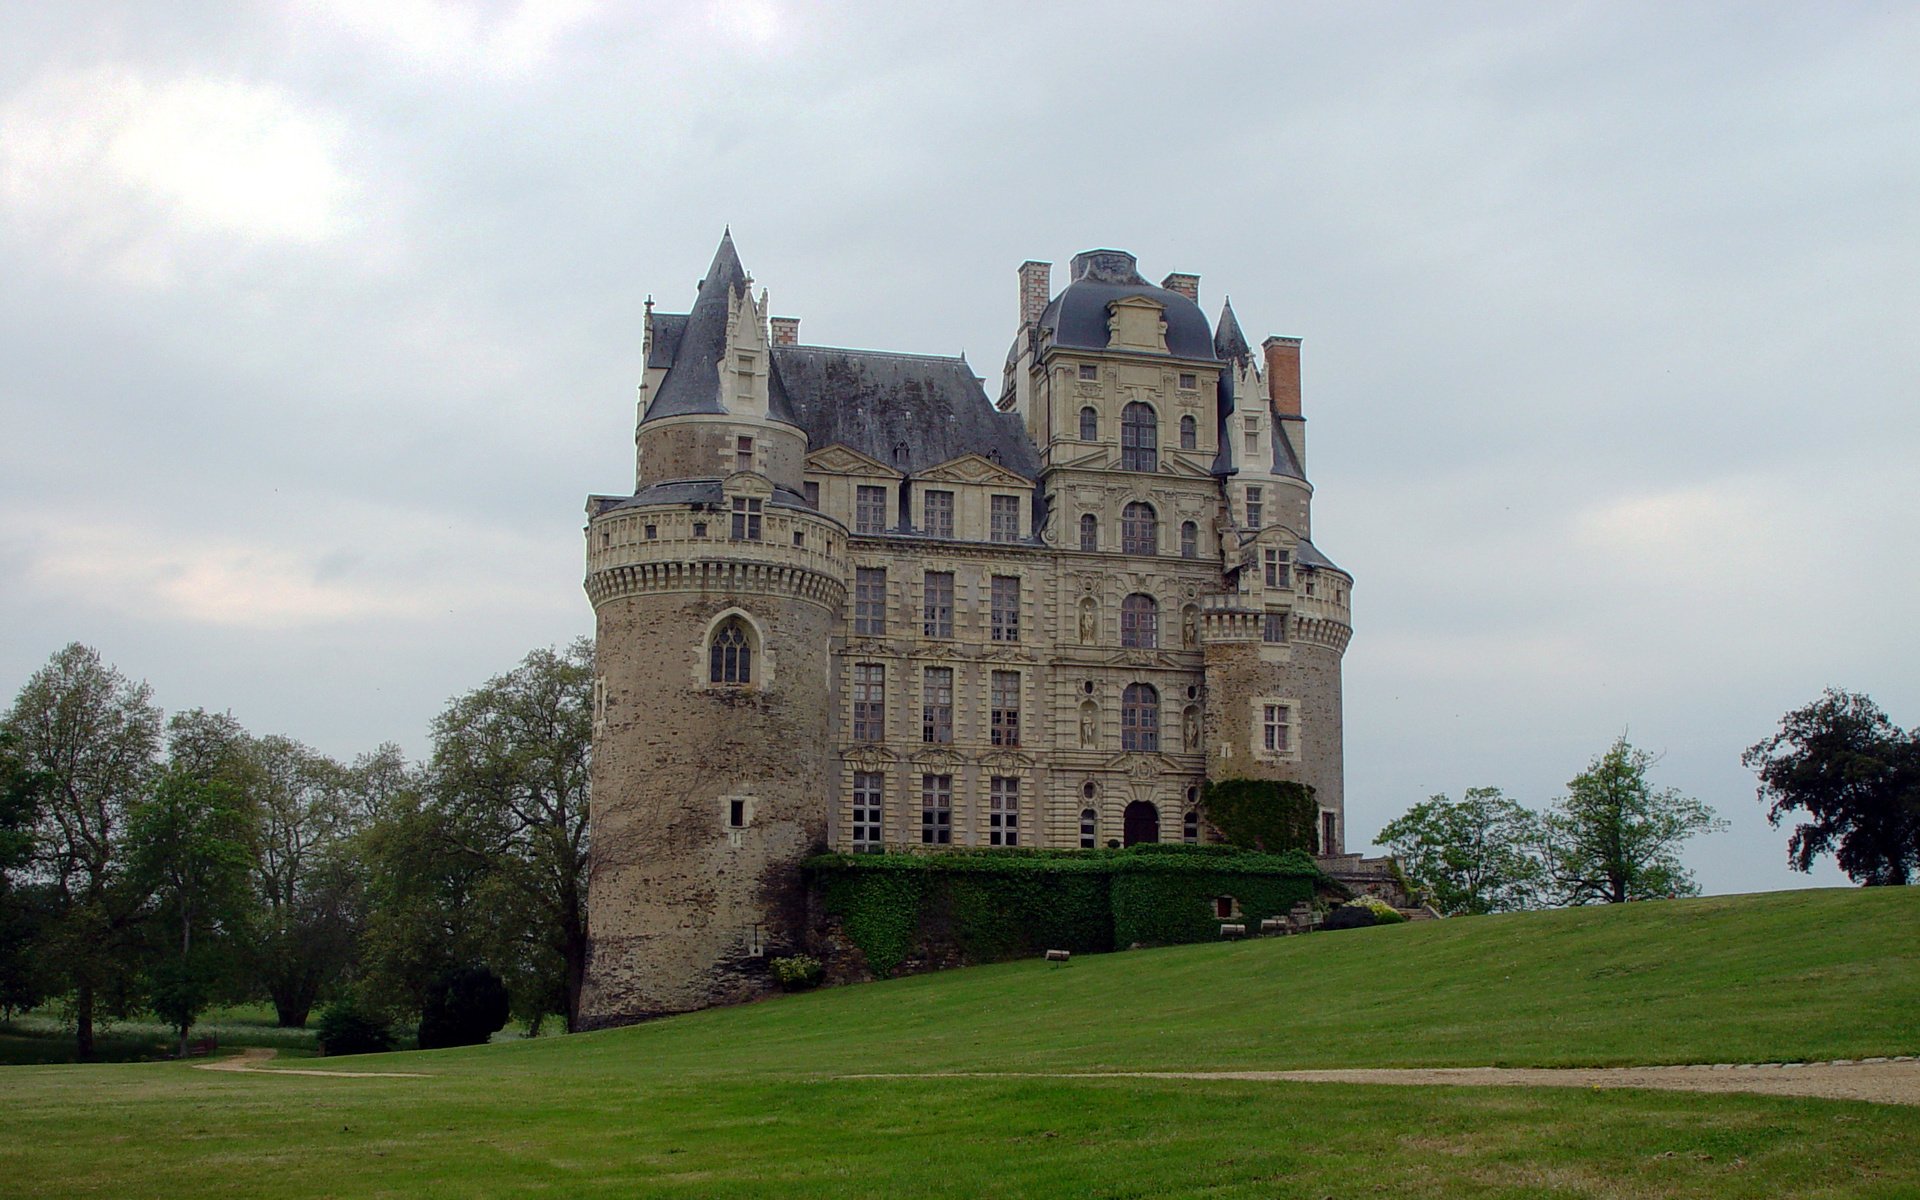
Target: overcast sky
[(319, 321)]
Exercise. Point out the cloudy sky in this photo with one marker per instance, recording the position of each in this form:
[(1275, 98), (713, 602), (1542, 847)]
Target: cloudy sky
[(319, 320)]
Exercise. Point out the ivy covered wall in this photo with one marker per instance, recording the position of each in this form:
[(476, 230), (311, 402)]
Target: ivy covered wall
[(974, 906)]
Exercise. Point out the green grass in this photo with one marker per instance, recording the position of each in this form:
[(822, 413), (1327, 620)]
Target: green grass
[(748, 1102), (45, 1036)]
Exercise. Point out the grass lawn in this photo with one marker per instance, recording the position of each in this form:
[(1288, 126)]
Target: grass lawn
[(44, 1037), (747, 1101)]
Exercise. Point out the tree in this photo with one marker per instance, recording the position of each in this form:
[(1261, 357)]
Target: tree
[(1856, 775), (94, 737), (304, 935), (1614, 837), (509, 768), (189, 846), (1480, 854), (22, 904), (464, 1007)]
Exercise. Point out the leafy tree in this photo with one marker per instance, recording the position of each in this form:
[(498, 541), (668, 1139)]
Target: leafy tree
[(1856, 776), (1480, 854), (188, 846), (464, 1007), (510, 772), (93, 736), (1614, 837), (305, 882), (22, 904)]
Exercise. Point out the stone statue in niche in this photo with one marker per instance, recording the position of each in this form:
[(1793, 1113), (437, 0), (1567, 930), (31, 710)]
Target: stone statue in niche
[(1089, 725), (1190, 629), (1190, 731), (1089, 622)]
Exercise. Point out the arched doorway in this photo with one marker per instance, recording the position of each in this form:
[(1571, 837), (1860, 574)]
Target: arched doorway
[(1142, 823)]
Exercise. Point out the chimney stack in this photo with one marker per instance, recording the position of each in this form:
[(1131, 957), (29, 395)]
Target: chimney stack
[(1283, 374), (1036, 288), (786, 330), (1186, 285)]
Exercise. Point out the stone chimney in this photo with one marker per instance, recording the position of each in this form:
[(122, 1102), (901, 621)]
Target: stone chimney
[(1283, 374), (1036, 288), (1186, 285), (786, 330)]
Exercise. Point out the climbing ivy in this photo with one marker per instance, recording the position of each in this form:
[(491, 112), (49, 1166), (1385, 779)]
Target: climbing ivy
[(992, 904), (1276, 815)]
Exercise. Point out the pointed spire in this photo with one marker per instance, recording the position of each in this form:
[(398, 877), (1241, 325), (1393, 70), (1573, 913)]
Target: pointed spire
[(1229, 344), (725, 268)]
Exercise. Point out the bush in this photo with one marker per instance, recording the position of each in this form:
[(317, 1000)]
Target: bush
[(346, 1028), (1383, 913), (1263, 814), (464, 1007), (1350, 916), (797, 973)]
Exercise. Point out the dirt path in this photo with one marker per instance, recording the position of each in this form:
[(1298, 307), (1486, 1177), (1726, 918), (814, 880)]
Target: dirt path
[(252, 1058), (1881, 1080)]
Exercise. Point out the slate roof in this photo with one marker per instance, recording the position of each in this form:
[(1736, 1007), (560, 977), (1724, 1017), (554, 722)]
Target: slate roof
[(687, 491), (667, 331), (1077, 317), (1307, 554), (692, 384), (910, 411)]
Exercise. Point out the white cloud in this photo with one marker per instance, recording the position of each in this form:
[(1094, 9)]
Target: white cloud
[(137, 178), (445, 38)]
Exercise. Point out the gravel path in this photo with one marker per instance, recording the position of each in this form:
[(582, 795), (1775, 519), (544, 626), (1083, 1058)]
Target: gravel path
[(1881, 1080), (252, 1058)]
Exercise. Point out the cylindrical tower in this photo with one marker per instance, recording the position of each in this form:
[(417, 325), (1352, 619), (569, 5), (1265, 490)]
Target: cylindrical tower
[(717, 591)]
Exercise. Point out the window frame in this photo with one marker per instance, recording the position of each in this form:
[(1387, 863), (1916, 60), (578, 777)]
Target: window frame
[(869, 811), (1003, 706), (1140, 719), (1140, 438), (936, 706), (869, 702), (1139, 630), (936, 605), (1003, 608), (937, 510), (1003, 518), (936, 810), (1189, 540), (1139, 529), (1003, 810), (747, 512), (869, 508), (870, 601), (1189, 433), (730, 663)]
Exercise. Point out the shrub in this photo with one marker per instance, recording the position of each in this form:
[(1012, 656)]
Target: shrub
[(464, 1007), (346, 1028), (1350, 916), (1383, 913), (797, 973), (1263, 814)]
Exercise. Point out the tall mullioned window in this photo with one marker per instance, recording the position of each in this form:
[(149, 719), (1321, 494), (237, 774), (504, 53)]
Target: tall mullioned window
[(1005, 708), (1089, 425), (730, 656), (1139, 438), (1005, 612), (870, 601), (1003, 815), (936, 605), (1140, 622), (1253, 436), (1276, 728), (1189, 434), (1189, 540), (1140, 718), (1273, 627), (1004, 519), (869, 509), (1089, 532), (936, 705), (1089, 828), (868, 789), (936, 810), (746, 519), (940, 514), (1256, 508), (869, 702), (1139, 529)]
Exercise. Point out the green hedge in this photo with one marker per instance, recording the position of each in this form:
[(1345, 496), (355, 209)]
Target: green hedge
[(996, 904)]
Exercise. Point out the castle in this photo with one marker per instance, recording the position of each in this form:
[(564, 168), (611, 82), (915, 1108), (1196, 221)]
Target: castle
[(855, 603)]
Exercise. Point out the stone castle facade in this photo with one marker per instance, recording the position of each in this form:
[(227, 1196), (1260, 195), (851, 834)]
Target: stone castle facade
[(856, 603)]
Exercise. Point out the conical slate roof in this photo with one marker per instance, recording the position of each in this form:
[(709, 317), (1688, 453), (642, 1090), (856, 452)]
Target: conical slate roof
[(692, 384)]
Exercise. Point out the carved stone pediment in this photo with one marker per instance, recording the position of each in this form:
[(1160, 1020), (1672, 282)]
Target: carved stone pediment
[(1007, 762), (845, 460), (869, 758), (748, 484), (1145, 766), (938, 762), (974, 468)]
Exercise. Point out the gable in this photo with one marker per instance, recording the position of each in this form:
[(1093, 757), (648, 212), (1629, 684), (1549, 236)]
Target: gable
[(976, 469), (838, 459)]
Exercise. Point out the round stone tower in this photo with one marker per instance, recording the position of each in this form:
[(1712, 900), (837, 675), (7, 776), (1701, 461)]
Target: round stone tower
[(716, 591)]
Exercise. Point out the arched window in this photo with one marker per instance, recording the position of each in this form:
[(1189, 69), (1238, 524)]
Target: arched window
[(1089, 424), (1189, 434), (730, 657), (1089, 828), (1139, 438), (1189, 540), (1140, 718), (1190, 827), (1139, 529), (1140, 622), (1089, 532)]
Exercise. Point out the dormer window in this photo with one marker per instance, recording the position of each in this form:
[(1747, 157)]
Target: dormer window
[(1089, 372), (1188, 381), (746, 519), (1253, 435)]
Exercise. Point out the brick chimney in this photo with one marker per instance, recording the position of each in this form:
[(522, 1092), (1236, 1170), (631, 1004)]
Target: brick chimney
[(1283, 374), (1186, 285), (1036, 288), (786, 330)]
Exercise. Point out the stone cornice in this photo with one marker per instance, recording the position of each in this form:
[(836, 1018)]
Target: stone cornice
[(717, 576)]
